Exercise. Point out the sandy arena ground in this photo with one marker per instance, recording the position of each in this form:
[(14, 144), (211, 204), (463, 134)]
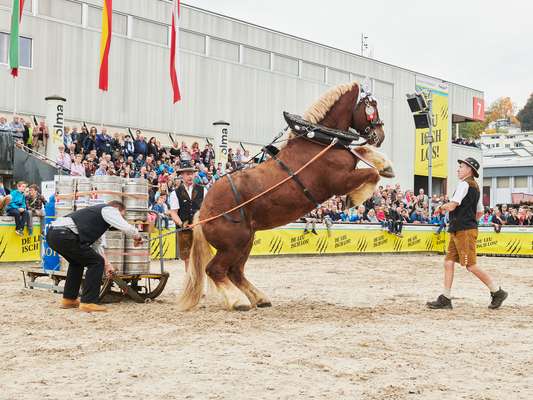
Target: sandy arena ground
[(344, 327)]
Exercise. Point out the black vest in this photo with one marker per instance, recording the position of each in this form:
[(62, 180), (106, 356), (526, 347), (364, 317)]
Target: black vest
[(464, 215), (188, 206), (90, 223)]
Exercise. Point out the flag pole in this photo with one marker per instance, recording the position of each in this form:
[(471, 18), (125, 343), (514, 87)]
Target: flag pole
[(174, 48), (14, 97), (102, 111)]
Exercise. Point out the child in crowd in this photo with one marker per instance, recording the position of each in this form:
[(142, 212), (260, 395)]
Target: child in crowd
[(162, 208), (17, 208)]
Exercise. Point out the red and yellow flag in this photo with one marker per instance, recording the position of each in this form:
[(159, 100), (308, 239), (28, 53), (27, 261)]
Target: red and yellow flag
[(105, 43)]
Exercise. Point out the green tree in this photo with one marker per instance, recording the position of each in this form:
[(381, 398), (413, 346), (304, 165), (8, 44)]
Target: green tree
[(471, 130), (525, 115), (501, 108)]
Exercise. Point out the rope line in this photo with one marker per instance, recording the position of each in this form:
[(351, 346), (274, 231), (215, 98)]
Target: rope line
[(204, 221)]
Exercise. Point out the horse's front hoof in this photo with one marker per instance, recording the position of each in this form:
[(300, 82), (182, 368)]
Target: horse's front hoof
[(264, 304), (242, 307)]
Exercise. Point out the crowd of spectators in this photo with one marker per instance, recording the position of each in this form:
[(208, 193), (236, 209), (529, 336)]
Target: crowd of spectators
[(92, 151), (87, 152), (466, 142), (391, 207)]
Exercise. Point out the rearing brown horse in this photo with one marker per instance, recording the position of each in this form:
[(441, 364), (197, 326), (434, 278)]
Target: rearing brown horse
[(334, 173)]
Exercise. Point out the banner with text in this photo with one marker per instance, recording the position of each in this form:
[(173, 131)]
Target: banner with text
[(439, 94), (290, 240)]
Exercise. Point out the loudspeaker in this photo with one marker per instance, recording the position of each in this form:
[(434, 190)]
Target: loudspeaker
[(416, 102), (421, 120)]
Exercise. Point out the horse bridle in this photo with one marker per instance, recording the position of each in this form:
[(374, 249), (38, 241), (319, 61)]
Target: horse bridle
[(374, 122)]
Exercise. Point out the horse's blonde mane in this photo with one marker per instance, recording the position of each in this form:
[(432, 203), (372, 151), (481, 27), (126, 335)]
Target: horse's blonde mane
[(318, 110)]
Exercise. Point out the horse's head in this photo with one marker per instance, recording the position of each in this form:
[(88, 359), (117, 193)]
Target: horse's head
[(366, 121), (339, 108)]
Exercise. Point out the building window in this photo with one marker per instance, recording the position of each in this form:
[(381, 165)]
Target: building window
[(502, 182), (150, 31), (25, 50), (286, 65), (487, 182), (64, 10), (120, 21), (256, 58), (336, 77), (520, 181), (192, 42), (313, 72), (357, 78), (224, 50)]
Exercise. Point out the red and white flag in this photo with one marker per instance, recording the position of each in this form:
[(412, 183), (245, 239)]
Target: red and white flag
[(174, 54)]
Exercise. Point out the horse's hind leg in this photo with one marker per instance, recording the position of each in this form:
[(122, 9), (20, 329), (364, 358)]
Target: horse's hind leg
[(236, 275), (217, 270)]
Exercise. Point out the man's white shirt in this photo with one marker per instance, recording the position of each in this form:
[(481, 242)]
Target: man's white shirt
[(460, 193), (173, 199)]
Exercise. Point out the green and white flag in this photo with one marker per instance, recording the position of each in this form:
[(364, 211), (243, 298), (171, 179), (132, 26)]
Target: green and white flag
[(16, 16)]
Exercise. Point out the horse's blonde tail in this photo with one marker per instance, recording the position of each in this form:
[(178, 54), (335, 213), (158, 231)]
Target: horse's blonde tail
[(195, 276)]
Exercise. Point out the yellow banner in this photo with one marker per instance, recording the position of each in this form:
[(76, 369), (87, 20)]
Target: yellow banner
[(440, 138), (169, 245), (15, 248), (505, 243), (293, 241)]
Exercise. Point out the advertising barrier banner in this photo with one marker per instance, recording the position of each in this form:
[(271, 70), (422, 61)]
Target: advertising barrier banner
[(345, 240), (15, 248), (169, 245), (290, 240)]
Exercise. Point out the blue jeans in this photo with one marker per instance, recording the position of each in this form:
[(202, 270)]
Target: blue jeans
[(21, 219)]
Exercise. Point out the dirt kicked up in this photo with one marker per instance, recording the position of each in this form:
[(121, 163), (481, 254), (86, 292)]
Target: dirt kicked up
[(344, 327)]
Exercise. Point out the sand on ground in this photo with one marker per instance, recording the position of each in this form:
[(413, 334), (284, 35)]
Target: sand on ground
[(341, 327)]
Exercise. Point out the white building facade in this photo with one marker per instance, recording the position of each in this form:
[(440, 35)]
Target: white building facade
[(230, 70)]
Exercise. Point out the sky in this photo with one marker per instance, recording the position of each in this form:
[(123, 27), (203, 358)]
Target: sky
[(486, 45)]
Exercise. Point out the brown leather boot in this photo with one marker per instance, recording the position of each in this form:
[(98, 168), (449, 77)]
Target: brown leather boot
[(91, 307), (69, 303)]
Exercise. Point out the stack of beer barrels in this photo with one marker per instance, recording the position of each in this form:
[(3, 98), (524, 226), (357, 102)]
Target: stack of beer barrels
[(74, 193), (136, 259)]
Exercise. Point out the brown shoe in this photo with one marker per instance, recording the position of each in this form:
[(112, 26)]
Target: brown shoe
[(91, 307), (69, 303)]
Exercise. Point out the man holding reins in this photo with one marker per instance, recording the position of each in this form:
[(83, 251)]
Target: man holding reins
[(185, 201), (465, 209)]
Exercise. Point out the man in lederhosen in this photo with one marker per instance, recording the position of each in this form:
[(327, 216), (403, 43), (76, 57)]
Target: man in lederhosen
[(184, 202), (79, 238), (465, 209)]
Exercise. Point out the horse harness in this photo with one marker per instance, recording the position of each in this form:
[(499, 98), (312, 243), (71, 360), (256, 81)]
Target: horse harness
[(295, 178), (237, 196)]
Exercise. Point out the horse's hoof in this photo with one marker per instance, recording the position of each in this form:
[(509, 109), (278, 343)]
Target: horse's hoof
[(264, 304), (242, 307)]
